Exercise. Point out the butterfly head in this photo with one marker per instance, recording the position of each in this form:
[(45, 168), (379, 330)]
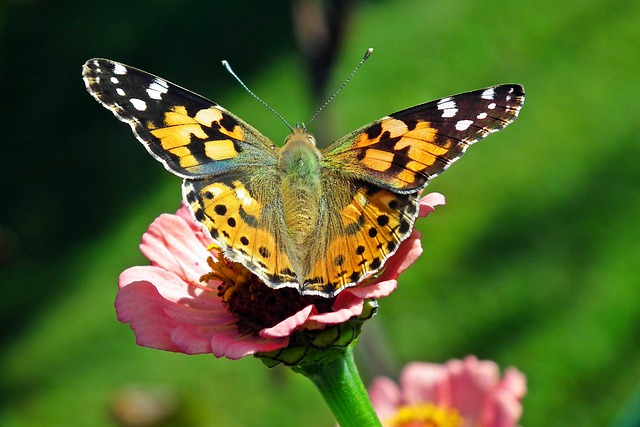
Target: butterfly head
[(299, 152), (300, 133)]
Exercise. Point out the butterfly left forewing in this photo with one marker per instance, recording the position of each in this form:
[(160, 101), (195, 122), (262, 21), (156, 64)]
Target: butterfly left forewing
[(405, 150), (190, 135)]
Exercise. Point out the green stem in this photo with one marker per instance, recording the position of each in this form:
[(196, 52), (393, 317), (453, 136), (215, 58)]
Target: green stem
[(342, 389)]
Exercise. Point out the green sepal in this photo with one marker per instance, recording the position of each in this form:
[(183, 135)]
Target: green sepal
[(310, 347)]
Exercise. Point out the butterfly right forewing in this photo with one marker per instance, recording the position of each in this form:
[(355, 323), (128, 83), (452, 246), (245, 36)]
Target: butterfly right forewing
[(405, 150), (379, 170)]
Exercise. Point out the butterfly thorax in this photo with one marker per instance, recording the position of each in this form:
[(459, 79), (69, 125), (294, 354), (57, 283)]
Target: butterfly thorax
[(299, 164)]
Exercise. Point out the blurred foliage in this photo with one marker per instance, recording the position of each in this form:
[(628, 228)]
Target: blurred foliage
[(533, 262)]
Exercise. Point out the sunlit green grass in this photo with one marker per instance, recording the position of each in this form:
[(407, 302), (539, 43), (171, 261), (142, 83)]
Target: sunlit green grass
[(533, 262)]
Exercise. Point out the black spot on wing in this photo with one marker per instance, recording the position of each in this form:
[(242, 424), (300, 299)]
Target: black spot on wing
[(251, 220), (374, 131)]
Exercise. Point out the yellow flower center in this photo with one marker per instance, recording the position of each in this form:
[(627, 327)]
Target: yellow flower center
[(424, 415)]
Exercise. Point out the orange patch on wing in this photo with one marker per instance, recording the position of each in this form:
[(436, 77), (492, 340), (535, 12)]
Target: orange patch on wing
[(362, 251), (390, 128), (236, 133), (178, 136), (423, 152), (220, 150), (178, 116), (185, 156), (377, 160), (208, 115), (421, 132), (178, 130), (408, 174)]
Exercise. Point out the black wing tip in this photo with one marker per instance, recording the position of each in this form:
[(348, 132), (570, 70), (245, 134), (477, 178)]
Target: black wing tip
[(513, 89)]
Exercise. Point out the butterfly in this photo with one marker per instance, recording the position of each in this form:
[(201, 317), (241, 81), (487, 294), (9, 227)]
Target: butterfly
[(316, 220)]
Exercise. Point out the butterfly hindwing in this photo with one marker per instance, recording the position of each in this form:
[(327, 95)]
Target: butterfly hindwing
[(365, 225), (241, 213), (192, 136), (405, 150)]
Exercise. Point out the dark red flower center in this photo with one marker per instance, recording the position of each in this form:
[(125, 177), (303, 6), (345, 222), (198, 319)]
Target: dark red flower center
[(254, 304)]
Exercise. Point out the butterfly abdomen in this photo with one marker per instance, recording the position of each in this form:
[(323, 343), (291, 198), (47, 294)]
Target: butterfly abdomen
[(301, 187)]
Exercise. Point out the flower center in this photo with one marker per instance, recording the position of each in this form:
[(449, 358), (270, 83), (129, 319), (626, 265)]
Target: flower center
[(424, 415), (255, 304)]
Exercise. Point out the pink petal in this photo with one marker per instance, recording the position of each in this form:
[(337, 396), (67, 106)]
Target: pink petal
[(169, 314), (514, 382), (290, 324), (425, 382), (385, 397), (471, 382), (170, 243), (197, 228), (346, 306), (471, 387), (379, 289), (162, 324), (408, 252), (170, 286), (429, 202), (503, 408), (231, 345)]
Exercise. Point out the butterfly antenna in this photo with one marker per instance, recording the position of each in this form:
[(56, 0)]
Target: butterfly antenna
[(364, 58), (228, 67)]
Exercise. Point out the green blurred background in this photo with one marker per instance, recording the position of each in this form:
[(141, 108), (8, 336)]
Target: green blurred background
[(533, 262)]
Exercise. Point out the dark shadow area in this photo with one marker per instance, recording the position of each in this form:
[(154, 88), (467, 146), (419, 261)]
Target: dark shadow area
[(68, 168)]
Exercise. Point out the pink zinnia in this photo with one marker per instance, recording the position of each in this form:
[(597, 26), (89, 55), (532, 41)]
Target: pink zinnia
[(192, 301), (460, 393)]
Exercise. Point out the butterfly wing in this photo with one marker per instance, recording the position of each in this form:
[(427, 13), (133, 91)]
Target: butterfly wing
[(363, 224), (243, 213), (405, 150), (373, 177), (190, 135), (231, 183)]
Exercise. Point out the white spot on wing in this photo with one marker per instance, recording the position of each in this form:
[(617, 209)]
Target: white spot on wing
[(491, 106), (120, 92), (463, 124), (488, 93), (448, 107), (482, 116), (138, 104), (451, 112), (157, 88), (119, 69), (243, 197), (114, 80)]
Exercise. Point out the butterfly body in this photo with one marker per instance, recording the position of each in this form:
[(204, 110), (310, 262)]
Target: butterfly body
[(301, 185), (316, 220)]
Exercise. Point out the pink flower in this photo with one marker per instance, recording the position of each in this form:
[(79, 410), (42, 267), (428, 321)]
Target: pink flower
[(170, 306), (462, 393)]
